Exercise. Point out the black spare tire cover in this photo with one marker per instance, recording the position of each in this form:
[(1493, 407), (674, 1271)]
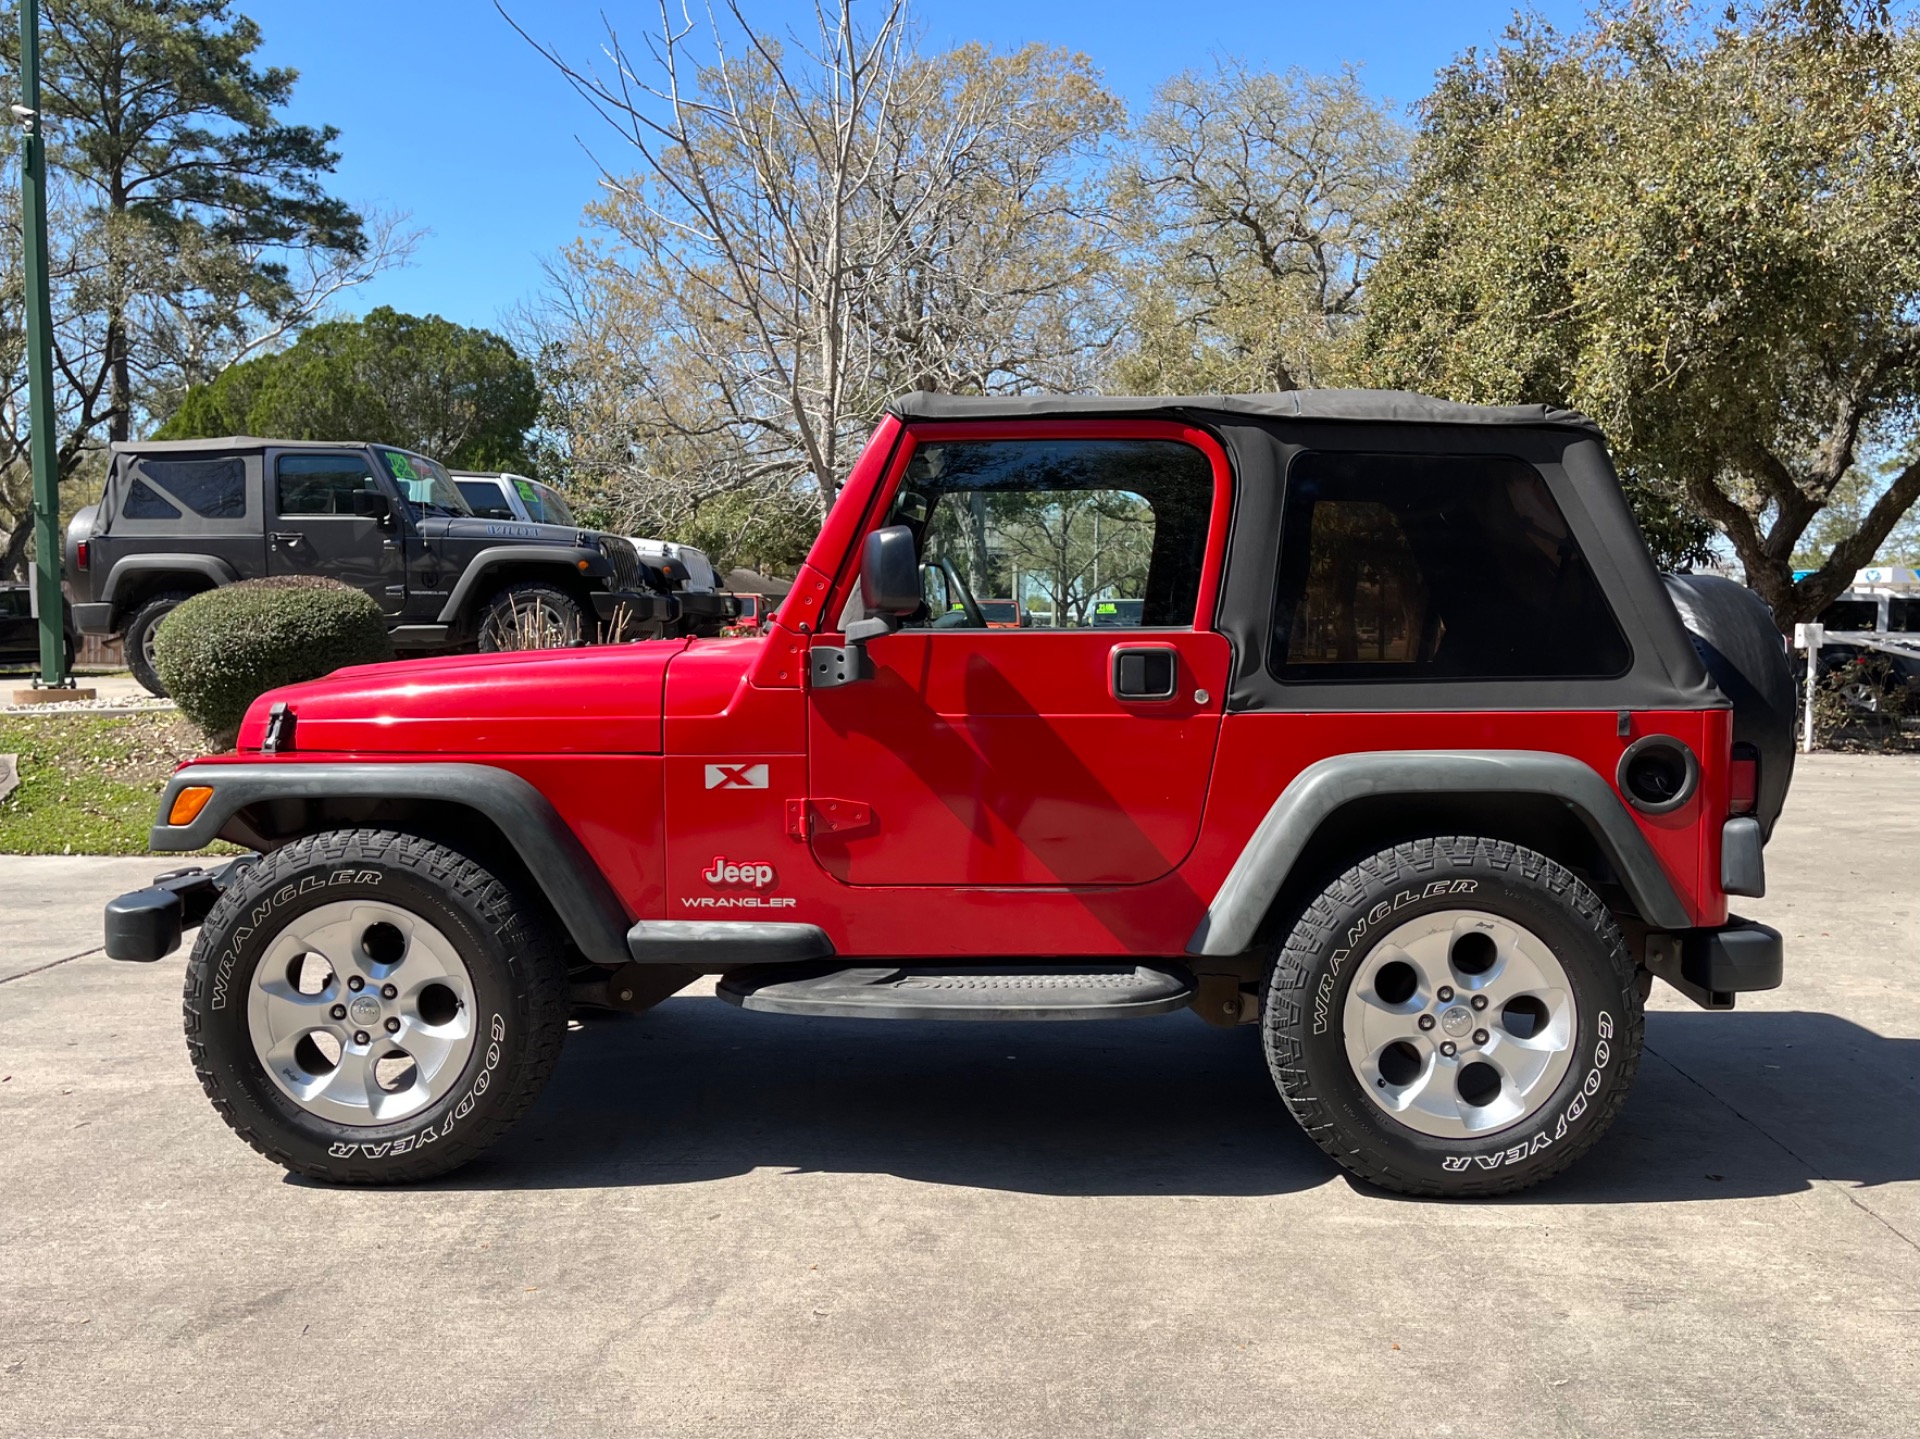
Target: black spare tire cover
[(1733, 630)]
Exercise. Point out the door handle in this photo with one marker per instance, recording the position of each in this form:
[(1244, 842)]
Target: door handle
[(1144, 672), (285, 537)]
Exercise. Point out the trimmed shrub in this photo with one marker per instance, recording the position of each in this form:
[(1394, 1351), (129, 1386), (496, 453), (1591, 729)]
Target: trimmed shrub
[(220, 651)]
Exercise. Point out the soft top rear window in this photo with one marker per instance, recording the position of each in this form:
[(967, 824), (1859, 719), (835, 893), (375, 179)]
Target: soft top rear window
[(1443, 567)]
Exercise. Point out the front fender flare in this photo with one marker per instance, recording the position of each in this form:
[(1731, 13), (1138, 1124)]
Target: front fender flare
[(545, 843), (1228, 926), (474, 576)]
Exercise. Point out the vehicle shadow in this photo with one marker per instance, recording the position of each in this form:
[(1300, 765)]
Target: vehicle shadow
[(1726, 1106)]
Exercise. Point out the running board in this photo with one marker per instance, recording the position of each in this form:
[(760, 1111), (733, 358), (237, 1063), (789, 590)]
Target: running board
[(958, 991)]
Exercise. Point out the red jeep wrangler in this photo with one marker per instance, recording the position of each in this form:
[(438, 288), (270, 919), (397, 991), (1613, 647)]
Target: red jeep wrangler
[(1403, 751)]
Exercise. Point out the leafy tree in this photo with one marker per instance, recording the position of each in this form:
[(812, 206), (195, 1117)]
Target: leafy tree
[(1703, 234), (1258, 203), (794, 235), (189, 226), (464, 396)]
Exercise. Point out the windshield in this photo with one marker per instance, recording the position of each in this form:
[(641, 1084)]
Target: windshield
[(424, 482), (543, 502)]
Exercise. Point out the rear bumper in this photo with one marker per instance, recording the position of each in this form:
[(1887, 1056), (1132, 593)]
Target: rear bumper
[(1712, 966), (92, 619)]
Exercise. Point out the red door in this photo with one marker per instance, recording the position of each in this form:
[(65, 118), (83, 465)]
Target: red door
[(1074, 752), (1005, 757)]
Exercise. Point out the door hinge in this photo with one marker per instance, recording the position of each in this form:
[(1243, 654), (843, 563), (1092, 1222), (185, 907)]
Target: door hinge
[(826, 816)]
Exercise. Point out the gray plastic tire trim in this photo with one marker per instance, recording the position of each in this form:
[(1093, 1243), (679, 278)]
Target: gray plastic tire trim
[(1229, 924), (721, 942), (549, 848), (207, 567)]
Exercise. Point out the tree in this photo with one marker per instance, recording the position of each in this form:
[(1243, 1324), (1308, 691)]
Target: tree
[(189, 227), (464, 396), (1705, 235), (803, 230), (1258, 202)]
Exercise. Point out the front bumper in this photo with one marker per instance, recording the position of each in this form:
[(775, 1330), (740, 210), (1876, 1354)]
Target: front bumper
[(147, 924), (1712, 966), (647, 607)]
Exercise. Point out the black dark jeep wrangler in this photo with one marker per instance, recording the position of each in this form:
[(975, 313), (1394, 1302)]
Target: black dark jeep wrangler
[(183, 516)]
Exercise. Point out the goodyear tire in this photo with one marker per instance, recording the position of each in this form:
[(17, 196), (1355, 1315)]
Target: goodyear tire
[(365, 1007), (1454, 1016)]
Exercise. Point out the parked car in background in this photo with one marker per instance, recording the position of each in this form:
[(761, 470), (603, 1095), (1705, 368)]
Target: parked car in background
[(504, 496), (20, 627), (1004, 614), (182, 516), (1870, 652), (677, 569)]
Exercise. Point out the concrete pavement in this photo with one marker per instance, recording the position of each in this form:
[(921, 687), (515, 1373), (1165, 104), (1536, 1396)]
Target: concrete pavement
[(719, 1223)]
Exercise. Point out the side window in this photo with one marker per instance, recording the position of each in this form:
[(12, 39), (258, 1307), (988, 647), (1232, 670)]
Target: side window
[(214, 489), (485, 499), (15, 604), (1059, 533), (1399, 567), (320, 484), (144, 502)]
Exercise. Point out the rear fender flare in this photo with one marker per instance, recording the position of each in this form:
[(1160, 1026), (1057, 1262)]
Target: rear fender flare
[(546, 845), (1283, 836), (130, 571)]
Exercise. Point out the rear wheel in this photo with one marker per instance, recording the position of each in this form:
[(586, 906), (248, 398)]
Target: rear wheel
[(138, 639), (1454, 1016), (531, 615), (365, 1007)]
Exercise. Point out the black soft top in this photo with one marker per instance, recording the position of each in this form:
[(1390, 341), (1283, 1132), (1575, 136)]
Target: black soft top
[(1360, 406)]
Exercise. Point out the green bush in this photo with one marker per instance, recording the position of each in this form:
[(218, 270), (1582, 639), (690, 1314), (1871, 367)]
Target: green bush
[(222, 650)]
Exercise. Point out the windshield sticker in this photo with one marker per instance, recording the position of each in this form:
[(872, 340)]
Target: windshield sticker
[(402, 467), (526, 492)]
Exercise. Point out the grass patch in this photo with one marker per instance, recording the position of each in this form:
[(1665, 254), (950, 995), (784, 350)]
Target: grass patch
[(90, 784)]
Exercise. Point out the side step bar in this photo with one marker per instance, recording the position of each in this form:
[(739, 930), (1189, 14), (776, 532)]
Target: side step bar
[(950, 991)]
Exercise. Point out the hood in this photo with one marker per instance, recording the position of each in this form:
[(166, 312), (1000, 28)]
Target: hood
[(473, 527), (601, 699)]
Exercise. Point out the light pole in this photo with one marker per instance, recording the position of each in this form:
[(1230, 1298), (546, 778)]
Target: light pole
[(46, 483)]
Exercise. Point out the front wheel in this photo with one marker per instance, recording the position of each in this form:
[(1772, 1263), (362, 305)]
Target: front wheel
[(1454, 1016), (365, 1007), (531, 616)]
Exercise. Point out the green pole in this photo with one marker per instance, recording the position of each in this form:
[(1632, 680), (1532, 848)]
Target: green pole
[(46, 482)]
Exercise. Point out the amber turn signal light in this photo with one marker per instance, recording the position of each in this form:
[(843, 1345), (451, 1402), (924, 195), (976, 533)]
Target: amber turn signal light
[(188, 804)]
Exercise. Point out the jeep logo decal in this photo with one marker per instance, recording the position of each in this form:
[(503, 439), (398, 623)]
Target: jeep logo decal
[(726, 872), (736, 776)]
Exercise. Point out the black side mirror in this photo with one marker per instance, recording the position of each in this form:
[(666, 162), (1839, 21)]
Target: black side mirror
[(890, 573), (890, 590), (370, 505)]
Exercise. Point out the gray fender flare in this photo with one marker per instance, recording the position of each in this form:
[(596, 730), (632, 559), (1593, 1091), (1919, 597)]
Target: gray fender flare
[(207, 567), (1282, 837), (546, 845), (473, 579)]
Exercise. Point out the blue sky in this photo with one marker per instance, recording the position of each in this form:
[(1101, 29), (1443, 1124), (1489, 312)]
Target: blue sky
[(446, 113)]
